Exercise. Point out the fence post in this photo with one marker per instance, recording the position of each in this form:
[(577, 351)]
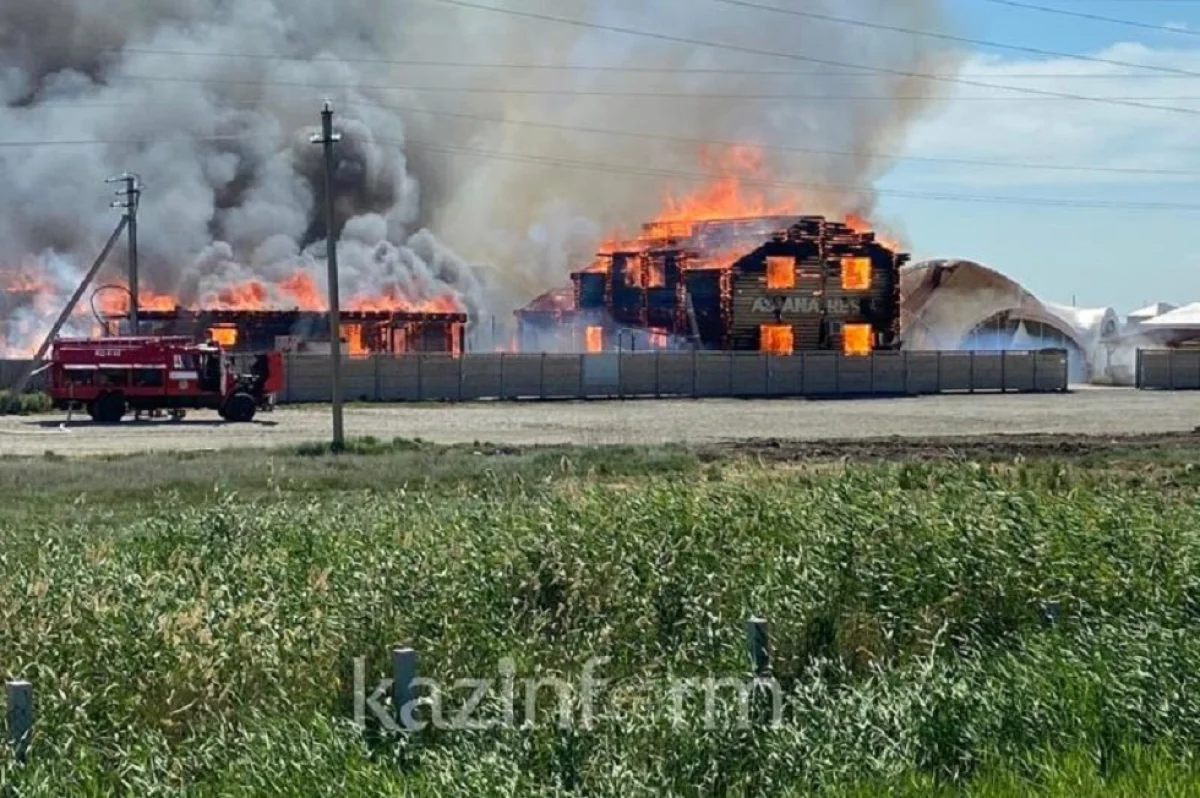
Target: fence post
[(758, 646), (1003, 372), (658, 374), (404, 673), (19, 694), (972, 371)]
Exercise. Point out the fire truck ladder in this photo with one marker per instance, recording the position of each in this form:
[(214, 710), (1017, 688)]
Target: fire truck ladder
[(33, 369)]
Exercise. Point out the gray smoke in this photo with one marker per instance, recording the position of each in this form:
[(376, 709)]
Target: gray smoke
[(233, 184)]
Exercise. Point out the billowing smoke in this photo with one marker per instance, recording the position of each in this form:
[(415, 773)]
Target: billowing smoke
[(171, 90)]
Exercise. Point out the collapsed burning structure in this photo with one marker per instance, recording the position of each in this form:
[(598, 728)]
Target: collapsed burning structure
[(362, 332), (778, 284)]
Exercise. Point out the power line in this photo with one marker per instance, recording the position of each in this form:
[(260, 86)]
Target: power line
[(409, 62), (647, 136), (1094, 17), (681, 95), (952, 38), (639, 171), (796, 57), (782, 148)]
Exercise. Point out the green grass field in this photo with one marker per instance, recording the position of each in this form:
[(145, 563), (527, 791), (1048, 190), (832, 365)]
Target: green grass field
[(191, 623)]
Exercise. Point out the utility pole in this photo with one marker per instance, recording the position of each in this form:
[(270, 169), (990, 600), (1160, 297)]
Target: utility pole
[(327, 139), (132, 195)]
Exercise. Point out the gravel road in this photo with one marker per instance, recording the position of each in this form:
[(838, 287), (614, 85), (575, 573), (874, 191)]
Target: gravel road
[(1085, 412)]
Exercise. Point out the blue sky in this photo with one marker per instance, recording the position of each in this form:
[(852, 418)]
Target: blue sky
[(1108, 257)]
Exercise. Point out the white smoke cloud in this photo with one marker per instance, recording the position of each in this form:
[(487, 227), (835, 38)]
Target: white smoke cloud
[(234, 186)]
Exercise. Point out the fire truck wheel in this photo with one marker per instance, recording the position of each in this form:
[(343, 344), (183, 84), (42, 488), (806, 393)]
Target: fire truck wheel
[(109, 408), (240, 408)]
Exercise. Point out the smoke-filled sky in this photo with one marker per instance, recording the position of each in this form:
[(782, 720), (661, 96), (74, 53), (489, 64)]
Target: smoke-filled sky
[(442, 183)]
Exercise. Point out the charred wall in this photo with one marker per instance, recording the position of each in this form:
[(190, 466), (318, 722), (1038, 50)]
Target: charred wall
[(810, 283)]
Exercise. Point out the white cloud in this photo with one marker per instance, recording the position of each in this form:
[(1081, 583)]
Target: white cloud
[(991, 124)]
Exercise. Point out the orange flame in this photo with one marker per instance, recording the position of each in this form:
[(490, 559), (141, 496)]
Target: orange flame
[(728, 196), (778, 339), (857, 339), (734, 193), (595, 340)]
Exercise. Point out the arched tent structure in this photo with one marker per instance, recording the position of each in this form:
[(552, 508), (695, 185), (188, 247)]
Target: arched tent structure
[(961, 305)]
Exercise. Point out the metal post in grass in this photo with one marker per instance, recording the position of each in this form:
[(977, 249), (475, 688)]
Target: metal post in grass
[(1052, 613), (19, 695), (758, 646), (404, 674)]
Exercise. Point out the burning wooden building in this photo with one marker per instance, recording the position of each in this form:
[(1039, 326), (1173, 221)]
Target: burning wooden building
[(362, 332), (779, 284)]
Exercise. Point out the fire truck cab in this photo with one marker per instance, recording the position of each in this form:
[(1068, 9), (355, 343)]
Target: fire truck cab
[(111, 377)]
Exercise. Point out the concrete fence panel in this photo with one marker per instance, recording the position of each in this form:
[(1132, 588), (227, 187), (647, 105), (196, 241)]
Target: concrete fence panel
[(562, 376), (955, 371), (358, 380), (889, 374), (988, 371), (639, 375), (677, 375), (1053, 371), (308, 380), (481, 377), (601, 376), (441, 378), (924, 372), (1168, 370), (521, 376), (822, 374), (714, 374), (856, 376), (749, 375), (1020, 371), (400, 379), (785, 376)]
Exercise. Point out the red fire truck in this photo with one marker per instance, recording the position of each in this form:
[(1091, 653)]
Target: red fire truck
[(111, 377)]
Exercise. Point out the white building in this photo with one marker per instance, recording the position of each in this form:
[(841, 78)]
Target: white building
[(954, 304)]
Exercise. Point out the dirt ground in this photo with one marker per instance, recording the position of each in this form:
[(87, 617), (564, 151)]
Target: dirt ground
[(764, 426)]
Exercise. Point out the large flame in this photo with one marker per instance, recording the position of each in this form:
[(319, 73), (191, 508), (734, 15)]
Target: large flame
[(31, 289), (740, 189), (728, 196)]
